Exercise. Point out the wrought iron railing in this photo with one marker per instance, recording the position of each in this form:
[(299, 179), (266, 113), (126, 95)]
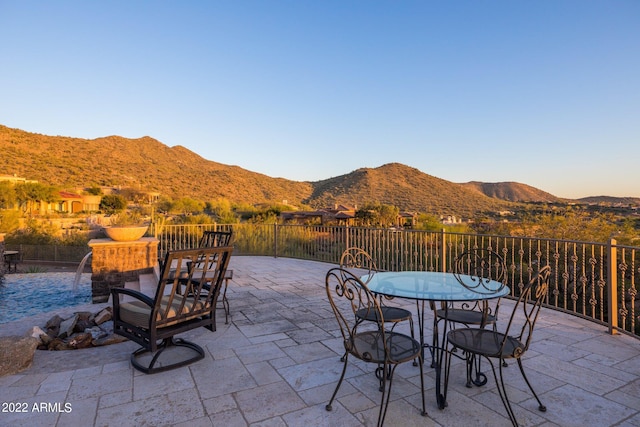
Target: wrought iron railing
[(595, 281)]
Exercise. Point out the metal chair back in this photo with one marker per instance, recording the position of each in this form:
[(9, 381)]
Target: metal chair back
[(525, 313), (212, 239), (478, 268), (358, 259), (348, 295)]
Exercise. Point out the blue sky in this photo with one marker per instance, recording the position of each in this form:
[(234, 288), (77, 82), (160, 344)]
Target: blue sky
[(545, 93)]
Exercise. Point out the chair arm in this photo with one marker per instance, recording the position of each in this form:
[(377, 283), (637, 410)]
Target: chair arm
[(115, 292)]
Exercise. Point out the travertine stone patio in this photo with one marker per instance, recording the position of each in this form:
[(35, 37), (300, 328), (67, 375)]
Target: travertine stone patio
[(277, 362)]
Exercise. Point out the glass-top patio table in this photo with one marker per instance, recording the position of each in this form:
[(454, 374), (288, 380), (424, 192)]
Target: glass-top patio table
[(431, 286)]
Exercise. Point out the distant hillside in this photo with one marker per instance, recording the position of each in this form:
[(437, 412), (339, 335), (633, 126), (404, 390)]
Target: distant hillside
[(403, 186), (147, 164), (511, 191), (611, 201), (143, 163)]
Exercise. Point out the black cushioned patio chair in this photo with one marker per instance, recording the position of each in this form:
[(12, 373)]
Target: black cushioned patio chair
[(213, 239), (185, 299)]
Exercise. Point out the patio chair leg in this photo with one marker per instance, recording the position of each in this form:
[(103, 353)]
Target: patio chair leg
[(225, 301), (344, 358), (386, 392), (502, 391), (415, 361), (541, 407)]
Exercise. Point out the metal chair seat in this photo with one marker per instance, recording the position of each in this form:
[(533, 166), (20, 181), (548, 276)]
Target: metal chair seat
[(486, 342), (466, 317), (396, 347), (390, 314)]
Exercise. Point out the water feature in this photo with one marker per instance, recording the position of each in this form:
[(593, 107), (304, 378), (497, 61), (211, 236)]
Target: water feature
[(23, 295), (80, 269)]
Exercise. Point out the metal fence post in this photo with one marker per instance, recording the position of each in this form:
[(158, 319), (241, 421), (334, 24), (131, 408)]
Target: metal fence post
[(275, 240), (612, 288), (346, 236), (443, 252)]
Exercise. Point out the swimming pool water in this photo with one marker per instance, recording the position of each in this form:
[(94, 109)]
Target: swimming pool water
[(23, 295)]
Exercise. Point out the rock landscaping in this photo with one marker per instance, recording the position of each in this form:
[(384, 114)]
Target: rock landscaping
[(83, 329)]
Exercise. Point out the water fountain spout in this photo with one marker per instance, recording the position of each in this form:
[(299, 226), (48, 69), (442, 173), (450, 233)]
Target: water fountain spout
[(80, 270)]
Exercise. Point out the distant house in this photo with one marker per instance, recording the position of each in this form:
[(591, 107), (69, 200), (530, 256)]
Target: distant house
[(67, 202), (407, 219), (339, 214), (14, 179), (74, 203), (450, 219)]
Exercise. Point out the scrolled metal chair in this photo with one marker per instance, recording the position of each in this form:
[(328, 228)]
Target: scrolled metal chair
[(477, 270), (511, 344), (359, 260), (348, 295)]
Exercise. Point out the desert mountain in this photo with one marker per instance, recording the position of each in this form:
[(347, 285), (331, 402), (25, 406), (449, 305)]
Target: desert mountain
[(142, 163), (147, 164), (512, 191), (405, 187), (611, 201)]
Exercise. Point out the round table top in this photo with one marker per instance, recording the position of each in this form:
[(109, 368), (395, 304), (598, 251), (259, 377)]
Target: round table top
[(432, 286)]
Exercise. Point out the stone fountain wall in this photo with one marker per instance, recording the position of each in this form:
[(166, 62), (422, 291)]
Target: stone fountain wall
[(114, 263)]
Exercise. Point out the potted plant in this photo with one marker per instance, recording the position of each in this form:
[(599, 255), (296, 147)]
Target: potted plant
[(126, 227)]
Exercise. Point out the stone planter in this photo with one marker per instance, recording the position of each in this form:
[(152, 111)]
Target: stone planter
[(127, 233)]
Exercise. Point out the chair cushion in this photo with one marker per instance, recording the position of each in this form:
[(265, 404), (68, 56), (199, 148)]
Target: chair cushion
[(137, 313)]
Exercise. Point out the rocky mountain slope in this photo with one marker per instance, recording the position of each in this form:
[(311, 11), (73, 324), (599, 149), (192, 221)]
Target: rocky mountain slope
[(512, 191), (147, 164)]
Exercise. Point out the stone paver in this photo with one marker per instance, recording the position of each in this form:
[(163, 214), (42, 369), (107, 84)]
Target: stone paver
[(277, 362)]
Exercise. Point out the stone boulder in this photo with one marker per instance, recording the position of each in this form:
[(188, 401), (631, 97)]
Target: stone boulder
[(81, 330), (82, 340), (104, 316), (36, 332), (53, 326), (16, 354), (68, 325)]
